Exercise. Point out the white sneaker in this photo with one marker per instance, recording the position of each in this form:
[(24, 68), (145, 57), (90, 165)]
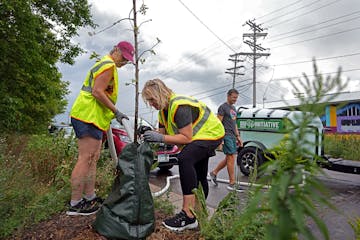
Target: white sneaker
[(213, 178), (234, 187)]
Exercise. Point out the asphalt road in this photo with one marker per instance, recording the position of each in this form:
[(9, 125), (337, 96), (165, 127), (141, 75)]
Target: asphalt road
[(344, 189)]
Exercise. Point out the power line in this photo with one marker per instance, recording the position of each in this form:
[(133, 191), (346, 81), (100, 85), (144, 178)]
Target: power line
[(295, 10), (274, 79), (316, 29), (303, 14), (206, 26), (272, 12), (224, 86), (297, 77), (222, 92), (323, 36), (183, 63), (316, 24), (317, 59)]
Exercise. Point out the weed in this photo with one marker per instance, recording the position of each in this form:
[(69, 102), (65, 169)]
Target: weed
[(164, 204)]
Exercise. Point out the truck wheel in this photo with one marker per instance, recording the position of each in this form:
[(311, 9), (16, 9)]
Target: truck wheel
[(247, 157)]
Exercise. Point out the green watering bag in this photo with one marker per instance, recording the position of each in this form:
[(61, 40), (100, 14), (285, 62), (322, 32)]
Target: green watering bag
[(128, 212)]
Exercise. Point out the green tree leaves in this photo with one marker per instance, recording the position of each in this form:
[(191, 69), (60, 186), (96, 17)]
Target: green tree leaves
[(35, 35)]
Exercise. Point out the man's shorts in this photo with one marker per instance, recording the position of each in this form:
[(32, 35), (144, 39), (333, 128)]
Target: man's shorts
[(229, 146), (83, 129)]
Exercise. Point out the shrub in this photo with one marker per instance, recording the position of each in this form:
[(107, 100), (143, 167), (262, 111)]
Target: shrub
[(342, 146), (35, 173)]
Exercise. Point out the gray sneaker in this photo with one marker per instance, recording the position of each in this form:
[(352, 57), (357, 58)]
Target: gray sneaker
[(234, 187), (213, 178)]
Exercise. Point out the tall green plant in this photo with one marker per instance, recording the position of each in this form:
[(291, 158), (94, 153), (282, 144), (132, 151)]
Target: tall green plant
[(295, 191), (226, 222)]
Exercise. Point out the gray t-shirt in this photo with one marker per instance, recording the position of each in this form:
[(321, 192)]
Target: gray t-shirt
[(229, 118)]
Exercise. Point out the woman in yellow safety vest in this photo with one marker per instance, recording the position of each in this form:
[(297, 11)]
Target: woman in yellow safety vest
[(91, 114), (187, 122)]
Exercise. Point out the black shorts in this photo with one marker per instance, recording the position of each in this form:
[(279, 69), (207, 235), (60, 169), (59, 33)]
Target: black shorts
[(83, 129)]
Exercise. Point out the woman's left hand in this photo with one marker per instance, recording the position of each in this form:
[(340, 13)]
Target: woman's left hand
[(152, 136)]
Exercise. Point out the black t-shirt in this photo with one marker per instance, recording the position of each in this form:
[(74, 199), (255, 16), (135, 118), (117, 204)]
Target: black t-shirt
[(184, 116)]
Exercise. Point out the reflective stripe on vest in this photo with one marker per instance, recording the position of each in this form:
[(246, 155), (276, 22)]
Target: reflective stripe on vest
[(91, 77), (202, 120)]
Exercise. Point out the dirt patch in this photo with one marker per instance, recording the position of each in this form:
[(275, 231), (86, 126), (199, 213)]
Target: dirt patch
[(63, 227)]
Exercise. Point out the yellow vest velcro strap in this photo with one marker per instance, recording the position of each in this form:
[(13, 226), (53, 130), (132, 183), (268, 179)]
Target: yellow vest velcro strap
[(86, 88)]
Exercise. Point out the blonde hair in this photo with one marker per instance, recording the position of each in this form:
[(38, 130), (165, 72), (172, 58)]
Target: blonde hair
[(157, 90)]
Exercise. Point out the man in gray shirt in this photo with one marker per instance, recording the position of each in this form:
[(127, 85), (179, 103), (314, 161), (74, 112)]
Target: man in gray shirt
[(227, 115)]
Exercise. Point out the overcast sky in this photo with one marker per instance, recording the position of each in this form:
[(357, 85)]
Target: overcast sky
[(197, 38)]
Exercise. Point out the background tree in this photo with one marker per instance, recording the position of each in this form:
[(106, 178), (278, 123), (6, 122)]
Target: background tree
[(35, 35)]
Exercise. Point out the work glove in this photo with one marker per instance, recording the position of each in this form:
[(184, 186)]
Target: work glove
[(152, 136), (119, 116)]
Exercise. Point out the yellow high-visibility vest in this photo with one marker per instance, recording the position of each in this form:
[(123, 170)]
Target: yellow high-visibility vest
[(206, 127), (86, 107)]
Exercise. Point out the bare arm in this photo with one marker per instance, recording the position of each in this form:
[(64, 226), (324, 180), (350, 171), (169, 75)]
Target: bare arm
[(238, 138), (220, 117), (101, 83)]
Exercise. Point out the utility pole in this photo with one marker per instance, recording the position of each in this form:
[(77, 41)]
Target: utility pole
[(257, 50), (233, 71)]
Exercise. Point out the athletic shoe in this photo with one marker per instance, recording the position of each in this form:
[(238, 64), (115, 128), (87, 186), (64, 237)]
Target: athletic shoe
[(234, 187), (84, 208), (213, 178), (180, 222), (99, 200)]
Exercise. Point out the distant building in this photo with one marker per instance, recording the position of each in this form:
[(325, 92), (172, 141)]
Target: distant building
[(342, 114)]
